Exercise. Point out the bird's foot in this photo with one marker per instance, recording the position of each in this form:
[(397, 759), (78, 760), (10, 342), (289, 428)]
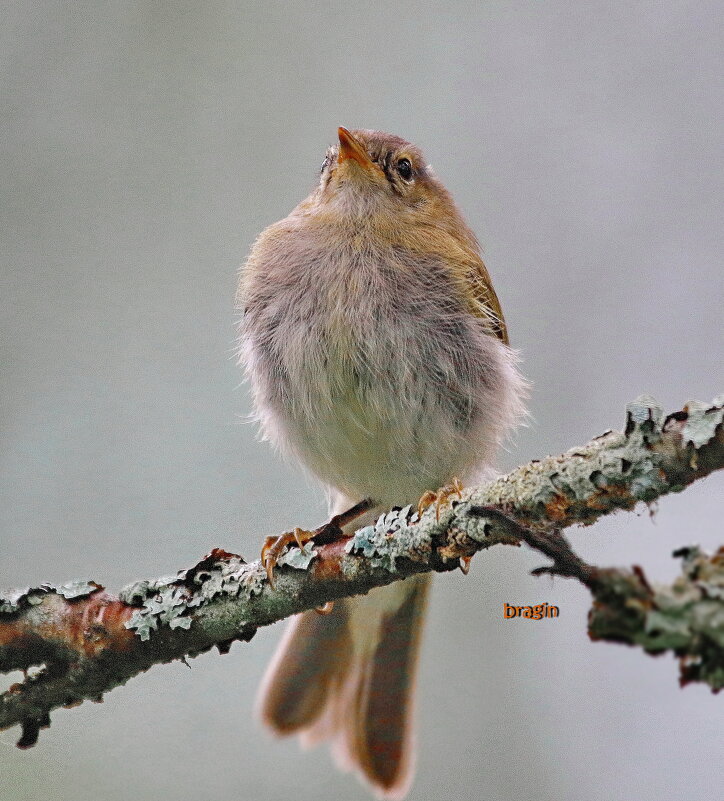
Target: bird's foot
[(274, 547), (439, 497)]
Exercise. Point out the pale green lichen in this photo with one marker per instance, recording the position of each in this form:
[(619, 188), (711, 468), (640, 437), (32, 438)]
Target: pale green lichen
[(297, 558), (135, 593), (77, 589), (690, 608), (171, 601), (645, 409), (14, 601), (393, 536), (663, 631), (702, 421), (167, 606), (686, 617), (627, 460), (11, 601)]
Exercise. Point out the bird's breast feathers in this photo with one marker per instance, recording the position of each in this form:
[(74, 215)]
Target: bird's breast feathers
[(384, 383)]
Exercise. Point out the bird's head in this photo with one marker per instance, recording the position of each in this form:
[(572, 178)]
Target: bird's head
[(371, 172), (376, 190)]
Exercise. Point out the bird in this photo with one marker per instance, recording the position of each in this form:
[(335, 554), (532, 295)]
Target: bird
[(378, 359)]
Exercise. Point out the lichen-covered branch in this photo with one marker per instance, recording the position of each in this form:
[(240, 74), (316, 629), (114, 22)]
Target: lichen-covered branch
[(76, 642)]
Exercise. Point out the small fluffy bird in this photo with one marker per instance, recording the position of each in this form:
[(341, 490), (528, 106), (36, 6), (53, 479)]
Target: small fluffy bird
[(378, 358)]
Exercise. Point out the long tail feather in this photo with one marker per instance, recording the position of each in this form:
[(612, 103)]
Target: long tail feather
[(387, 725), (309, 662), (349, 677)]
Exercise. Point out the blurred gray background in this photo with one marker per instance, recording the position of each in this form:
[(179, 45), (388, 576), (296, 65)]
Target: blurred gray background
[(144, 145)]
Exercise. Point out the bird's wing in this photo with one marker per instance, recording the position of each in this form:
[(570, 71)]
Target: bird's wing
[(485, 301)]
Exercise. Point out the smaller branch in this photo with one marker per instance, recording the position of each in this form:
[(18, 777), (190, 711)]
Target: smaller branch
[(88, 642), (550, 543)]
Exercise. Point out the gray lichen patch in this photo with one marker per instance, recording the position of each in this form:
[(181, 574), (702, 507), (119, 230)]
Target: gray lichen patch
[(166, 606), (686, 617), (14, 601), (691, 610), (135, 594), (702, 421), (173, 601), (396, 534), (644, 410), (298, 558), (615, 470), (78, 589)]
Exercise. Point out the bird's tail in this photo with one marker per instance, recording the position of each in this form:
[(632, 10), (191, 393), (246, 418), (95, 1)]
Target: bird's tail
[(349, 677)]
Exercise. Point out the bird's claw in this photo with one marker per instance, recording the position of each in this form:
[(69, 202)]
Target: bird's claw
[(333, 529), (439, 497), (274, 547)]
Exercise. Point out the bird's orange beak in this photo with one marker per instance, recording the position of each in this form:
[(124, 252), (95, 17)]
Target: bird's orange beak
[(351, 148)]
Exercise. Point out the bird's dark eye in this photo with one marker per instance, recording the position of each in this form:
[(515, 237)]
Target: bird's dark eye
[(404, 168)]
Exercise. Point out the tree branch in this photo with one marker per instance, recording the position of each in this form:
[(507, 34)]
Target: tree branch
[(87, 641)]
